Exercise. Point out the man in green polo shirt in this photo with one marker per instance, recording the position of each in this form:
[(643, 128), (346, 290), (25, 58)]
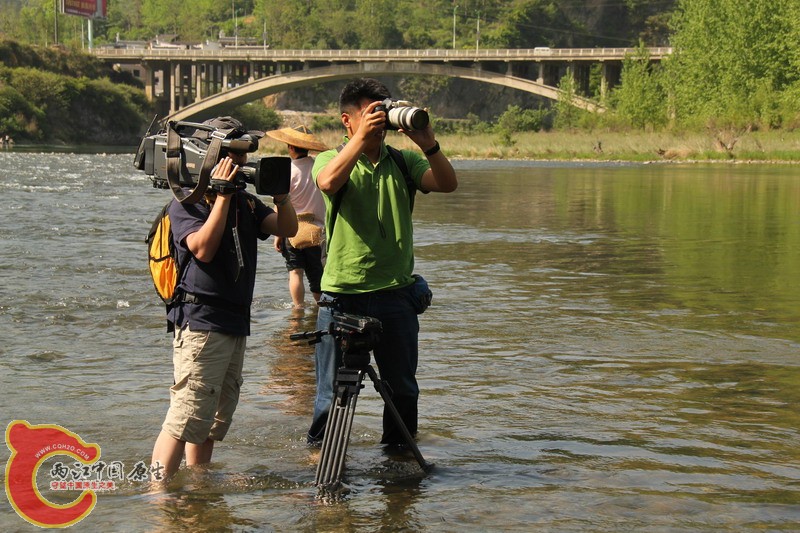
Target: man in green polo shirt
[(371, 247)]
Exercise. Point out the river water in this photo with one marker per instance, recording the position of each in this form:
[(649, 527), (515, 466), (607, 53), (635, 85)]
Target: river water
[(610, 348)]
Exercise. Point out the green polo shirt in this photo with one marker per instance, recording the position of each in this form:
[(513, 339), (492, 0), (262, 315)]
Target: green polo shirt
[(372, 245)]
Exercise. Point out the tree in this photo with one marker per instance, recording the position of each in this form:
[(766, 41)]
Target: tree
[(640, 98), (530, 23), (285, 22), (726, 51), (566, 114)]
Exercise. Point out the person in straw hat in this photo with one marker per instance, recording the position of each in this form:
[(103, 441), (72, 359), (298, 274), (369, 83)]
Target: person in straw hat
[(303, 253)]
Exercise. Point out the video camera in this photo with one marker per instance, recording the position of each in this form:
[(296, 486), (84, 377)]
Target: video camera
[(401, 115), (270, 175)]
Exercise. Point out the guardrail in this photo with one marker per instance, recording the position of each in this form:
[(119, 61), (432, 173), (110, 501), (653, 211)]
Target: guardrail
[(267, 54)]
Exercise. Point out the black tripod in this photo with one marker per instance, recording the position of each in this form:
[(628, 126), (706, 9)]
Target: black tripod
[(356, 336)]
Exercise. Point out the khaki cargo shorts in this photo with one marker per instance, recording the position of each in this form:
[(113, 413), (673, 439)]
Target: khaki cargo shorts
[(208, 377)]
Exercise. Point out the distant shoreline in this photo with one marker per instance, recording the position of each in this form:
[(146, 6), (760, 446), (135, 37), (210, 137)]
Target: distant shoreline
[(775, 147)]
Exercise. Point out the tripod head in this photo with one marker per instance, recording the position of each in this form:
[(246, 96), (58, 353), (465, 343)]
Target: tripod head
[(357, 335)]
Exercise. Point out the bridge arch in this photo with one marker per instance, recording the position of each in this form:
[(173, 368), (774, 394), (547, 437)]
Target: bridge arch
[(218, 103)]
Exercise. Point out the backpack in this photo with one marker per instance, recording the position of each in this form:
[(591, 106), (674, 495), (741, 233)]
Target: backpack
[(165, 268)]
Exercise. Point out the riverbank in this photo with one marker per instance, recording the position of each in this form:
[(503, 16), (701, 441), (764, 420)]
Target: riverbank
[(755, 147), (772, 146)]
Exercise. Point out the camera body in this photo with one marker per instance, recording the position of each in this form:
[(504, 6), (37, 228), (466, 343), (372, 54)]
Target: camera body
[(356, 334), (346, 323), (401, 115), (269, 175)]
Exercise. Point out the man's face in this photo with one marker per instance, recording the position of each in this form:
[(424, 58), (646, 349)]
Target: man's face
[(352, 120)]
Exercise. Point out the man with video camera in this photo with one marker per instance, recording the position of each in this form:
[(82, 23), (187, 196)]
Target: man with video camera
[(216, 239), (369, 269)]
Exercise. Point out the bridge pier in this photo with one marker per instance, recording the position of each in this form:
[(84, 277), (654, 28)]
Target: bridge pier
[(149, 81), (199, 71)]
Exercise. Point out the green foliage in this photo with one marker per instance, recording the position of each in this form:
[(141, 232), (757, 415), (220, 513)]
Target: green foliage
[(727, 51), (531, 23), (567, 116), (348, 24), (18, 118), (55, 101), (421, 89), (736, 65), (789, 107), (474, 125), (640, 99), (74, 64), (109, 113), (326, 123), (516, 119), (257, 116)]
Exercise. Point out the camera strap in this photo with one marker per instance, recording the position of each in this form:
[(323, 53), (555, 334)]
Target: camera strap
[(174, 164)]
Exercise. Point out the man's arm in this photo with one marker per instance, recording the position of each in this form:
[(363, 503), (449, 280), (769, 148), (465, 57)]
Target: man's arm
[(204, 243), (441, 177), (283, 223)]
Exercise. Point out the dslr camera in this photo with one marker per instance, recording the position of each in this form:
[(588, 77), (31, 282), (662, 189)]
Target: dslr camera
[(269, 175), (401, 115)]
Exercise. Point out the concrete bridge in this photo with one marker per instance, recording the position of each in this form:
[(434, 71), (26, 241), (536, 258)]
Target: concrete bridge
[(194, 84)]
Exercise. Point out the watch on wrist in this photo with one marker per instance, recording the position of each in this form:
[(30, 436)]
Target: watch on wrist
[(430, 151)]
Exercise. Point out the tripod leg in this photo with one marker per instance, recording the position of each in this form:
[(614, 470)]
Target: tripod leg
[(331, 426), (341, 442), (338, 427), (379, 386)]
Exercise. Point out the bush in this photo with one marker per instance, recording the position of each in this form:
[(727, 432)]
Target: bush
[(18, 117), (58, 108), (110, 113), (516, 119), (257, 116), (326, 123)]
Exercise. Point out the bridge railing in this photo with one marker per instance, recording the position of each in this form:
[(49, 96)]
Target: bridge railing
[(267, 54)]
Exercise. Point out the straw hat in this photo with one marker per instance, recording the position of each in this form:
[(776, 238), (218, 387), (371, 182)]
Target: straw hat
[(299, 136)]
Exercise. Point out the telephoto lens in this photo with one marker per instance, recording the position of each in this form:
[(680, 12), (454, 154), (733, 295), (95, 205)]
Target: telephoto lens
[(401, 115), (408, 118)]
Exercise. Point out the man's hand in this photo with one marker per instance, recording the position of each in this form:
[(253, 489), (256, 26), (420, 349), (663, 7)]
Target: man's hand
[(424, 138), (372, 124), (225, 170)]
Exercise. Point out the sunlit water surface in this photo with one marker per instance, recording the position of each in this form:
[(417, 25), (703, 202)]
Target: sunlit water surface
[(610, 348)]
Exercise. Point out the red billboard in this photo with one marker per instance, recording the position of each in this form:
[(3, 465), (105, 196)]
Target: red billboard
[(85, 8)]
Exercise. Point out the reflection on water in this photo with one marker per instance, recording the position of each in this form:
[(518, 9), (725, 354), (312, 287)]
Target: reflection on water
[(610, 347), (291, 370)]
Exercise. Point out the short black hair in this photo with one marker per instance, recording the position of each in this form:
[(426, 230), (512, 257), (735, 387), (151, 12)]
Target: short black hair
[(301, 151), (357, 90)]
